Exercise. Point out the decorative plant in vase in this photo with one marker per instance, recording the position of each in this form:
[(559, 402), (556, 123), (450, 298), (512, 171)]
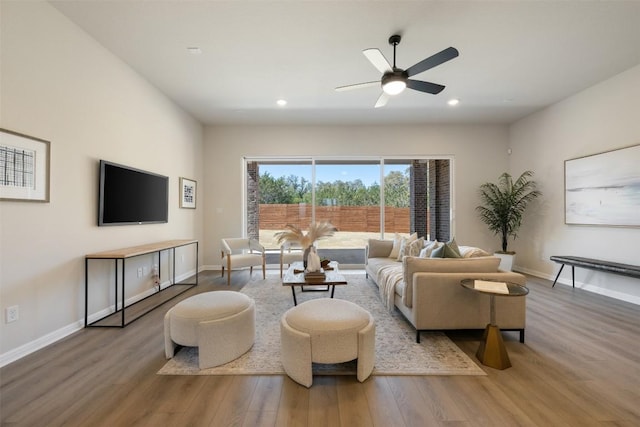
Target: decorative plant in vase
[(504, 204), (317, 231)]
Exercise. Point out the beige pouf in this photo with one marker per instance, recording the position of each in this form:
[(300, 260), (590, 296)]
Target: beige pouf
[(326, 330), (221, 324)]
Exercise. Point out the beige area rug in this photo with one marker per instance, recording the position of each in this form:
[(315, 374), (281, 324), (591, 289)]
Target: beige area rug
[(397, 353)]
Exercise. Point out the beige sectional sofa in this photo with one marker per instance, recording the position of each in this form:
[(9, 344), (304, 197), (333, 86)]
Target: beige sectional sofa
[(428, 292)]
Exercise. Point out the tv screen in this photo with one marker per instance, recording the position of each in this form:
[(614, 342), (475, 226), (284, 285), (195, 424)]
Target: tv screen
[(131, 196)]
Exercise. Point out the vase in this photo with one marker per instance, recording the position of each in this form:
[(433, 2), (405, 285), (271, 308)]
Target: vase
[(313, 261), (305, 256)]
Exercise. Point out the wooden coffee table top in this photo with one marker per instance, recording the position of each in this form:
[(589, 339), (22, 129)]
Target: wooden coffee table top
[(295, 276)]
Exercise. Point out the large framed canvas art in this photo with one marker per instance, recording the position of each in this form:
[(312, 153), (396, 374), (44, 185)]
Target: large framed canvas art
[(604, 189)]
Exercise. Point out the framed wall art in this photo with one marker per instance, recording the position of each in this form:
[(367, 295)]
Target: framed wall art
[(24, 167), (604, 189), (187, 193)]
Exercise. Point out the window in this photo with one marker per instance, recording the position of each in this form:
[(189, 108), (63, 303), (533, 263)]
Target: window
[(413, 193)]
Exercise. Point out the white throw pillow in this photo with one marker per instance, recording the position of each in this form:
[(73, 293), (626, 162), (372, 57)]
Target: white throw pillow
[(397, 241), (404, 245), (397, 245), (472, 252)]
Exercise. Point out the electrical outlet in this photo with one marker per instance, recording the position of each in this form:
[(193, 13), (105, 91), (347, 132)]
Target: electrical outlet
[(182, 258), (140, 272), (145, 270), (12, 314)]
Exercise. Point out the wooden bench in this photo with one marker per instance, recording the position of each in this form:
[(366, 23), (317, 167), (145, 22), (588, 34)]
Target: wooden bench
[(595, 264)]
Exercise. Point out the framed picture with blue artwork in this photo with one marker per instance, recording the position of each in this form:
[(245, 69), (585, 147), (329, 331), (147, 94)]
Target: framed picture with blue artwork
[(604, 188)]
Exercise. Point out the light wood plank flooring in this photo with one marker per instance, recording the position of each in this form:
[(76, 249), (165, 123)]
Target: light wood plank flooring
[(580, 366)]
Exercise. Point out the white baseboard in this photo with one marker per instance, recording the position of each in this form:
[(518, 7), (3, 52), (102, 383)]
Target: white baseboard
[(633, 299), (35, 345), (39, 343)]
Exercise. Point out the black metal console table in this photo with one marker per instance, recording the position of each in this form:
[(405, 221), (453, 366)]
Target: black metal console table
[(119, 256)]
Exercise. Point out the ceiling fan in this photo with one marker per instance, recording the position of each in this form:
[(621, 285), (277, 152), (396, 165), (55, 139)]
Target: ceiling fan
[(394, 80)]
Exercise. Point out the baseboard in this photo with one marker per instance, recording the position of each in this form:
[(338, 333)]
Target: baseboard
[(35, 345), (633, 299), (39, 343)]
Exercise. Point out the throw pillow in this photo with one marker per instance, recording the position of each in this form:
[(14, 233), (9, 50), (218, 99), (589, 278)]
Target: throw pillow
[(429, 247), (472, 252), (403, 246), (404, 243), (397, 240), (454, 246), (414, 248), (445, 251)]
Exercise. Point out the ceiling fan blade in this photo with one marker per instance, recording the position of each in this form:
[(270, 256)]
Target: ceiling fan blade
[(430, 62), (357, 86), (377, 59), (427, 87), (382, 100)]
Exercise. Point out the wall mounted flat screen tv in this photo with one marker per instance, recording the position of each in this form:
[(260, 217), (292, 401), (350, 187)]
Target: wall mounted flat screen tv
[(131, 196)]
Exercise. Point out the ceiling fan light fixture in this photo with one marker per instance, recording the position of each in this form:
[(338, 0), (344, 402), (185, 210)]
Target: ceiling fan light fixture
[(394, 82), (394, 87)]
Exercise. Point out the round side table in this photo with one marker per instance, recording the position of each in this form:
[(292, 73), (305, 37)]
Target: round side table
[(492, 351)]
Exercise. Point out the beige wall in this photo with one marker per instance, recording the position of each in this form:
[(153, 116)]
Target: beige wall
[(58, 84), (479, 154), (601, 118)]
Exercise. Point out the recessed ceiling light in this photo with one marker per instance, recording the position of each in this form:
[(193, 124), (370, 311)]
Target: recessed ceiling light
[(194, 50), (281, 102), (453, 102)]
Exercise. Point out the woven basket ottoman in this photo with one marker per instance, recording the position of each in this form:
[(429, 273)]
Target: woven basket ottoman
[(326, 330), (221, 324)]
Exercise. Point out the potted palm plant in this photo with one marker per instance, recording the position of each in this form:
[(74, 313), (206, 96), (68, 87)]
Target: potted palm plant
[(503, 207)]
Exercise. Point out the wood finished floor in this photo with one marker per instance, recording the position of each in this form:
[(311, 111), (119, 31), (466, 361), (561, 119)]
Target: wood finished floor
[(580, 366)]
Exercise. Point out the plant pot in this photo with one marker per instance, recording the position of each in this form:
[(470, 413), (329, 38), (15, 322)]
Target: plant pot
[(506, 260)]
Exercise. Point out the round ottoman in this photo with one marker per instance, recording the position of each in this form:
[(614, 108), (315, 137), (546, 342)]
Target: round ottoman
[(221, 324), (326, 330)]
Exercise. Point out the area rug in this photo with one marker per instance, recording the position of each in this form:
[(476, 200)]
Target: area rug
[(397, 353)]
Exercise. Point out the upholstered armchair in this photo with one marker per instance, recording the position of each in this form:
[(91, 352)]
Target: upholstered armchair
[(241, 253), (289, 253)]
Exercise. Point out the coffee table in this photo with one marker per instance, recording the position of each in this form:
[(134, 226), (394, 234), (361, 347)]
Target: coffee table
[(295, 277), (492, 351)]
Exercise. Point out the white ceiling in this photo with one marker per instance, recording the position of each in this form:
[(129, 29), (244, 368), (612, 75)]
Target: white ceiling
[(515, 56)]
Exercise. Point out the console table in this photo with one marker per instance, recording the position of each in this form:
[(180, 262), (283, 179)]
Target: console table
[(119, 257)]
